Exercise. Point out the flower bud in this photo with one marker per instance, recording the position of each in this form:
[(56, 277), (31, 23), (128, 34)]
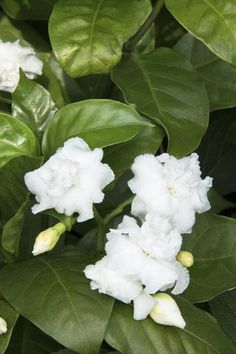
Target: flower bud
[(3, 326), (166, 311), (185, 258), (48, 239)]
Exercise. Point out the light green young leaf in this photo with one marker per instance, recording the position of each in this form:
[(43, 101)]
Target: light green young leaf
[(87, 36), (219, 76), (213, 22), (165, 87), (53, 293), (32, 104), (201, 335), (213, 245), (10, 316), (99, 122)]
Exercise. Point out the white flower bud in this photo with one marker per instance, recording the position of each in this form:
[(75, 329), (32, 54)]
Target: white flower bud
[(185, 258), (3, 326), (48, 239), (166, 311)]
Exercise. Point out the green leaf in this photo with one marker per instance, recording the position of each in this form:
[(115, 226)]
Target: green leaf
[(218, 203), (121, 156), (201, 335), (217, 151), (11, 231), (223, 307), (13, 191), (53, 293), (28, 9), (213, 245), (164, 86), (32, 104), (99, 122), (28, 339), (16, 139), (219, 77), (213, 22), (87, 37), (10, 316)]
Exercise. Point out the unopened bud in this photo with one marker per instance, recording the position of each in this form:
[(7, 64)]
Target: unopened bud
[(3, 326), (48, 239), (166, 311), (185, 258)]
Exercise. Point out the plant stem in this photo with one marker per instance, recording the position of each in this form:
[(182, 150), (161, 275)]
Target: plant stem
[(129, 46), (118, 210), (101, 230)]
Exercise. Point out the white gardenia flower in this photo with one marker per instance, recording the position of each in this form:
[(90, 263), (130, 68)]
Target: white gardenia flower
[(166, 311), (140, 261), (169, 188), (13, 56), (3, 326), (71, 180)]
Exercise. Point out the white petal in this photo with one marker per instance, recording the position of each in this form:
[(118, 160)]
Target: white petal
[(3, 326), (182, 280), (143, 305), (167, 312)]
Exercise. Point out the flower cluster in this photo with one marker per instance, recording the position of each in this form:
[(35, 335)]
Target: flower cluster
[(13, 56), (71, 180), (145, 260)]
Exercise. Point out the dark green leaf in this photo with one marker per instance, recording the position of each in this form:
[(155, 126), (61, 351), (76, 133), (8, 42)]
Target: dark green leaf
[(164, 86), (213, 22), (15, 139), (32, 104), (218, 150), (87, 36), (121, 156), (213, 245), (28, 9), (218, 203), (10, 316), (99, 122), (11, 231), (201, 335), (223, 307), (53, 293), (219, 77), (13, 191)]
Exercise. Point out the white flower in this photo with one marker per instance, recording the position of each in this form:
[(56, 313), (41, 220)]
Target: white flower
[(166, 311), (109, 282), (3, 326), (71, 180), (170, 188), (13, 57), (48, 239)]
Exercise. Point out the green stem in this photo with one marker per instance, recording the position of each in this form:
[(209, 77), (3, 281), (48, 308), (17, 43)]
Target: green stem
[(118, 210), (101, 230), (129, 46)]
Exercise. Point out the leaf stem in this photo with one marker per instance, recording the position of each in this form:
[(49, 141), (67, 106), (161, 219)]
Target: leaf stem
[(129, 46), (118, 210)]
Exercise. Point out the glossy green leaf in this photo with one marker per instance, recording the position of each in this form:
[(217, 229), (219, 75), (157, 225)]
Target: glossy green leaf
[(53, 293), (32, 104), (28, 339), (218, 150), (219, 76), (87, 36), (211, 21), (11, 231), (10, 316), (164, 86), (28, 9), (99, 122), (13, 191), (213, 245), (121, 156), (15, 139), (223, 307), (201, 335)]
